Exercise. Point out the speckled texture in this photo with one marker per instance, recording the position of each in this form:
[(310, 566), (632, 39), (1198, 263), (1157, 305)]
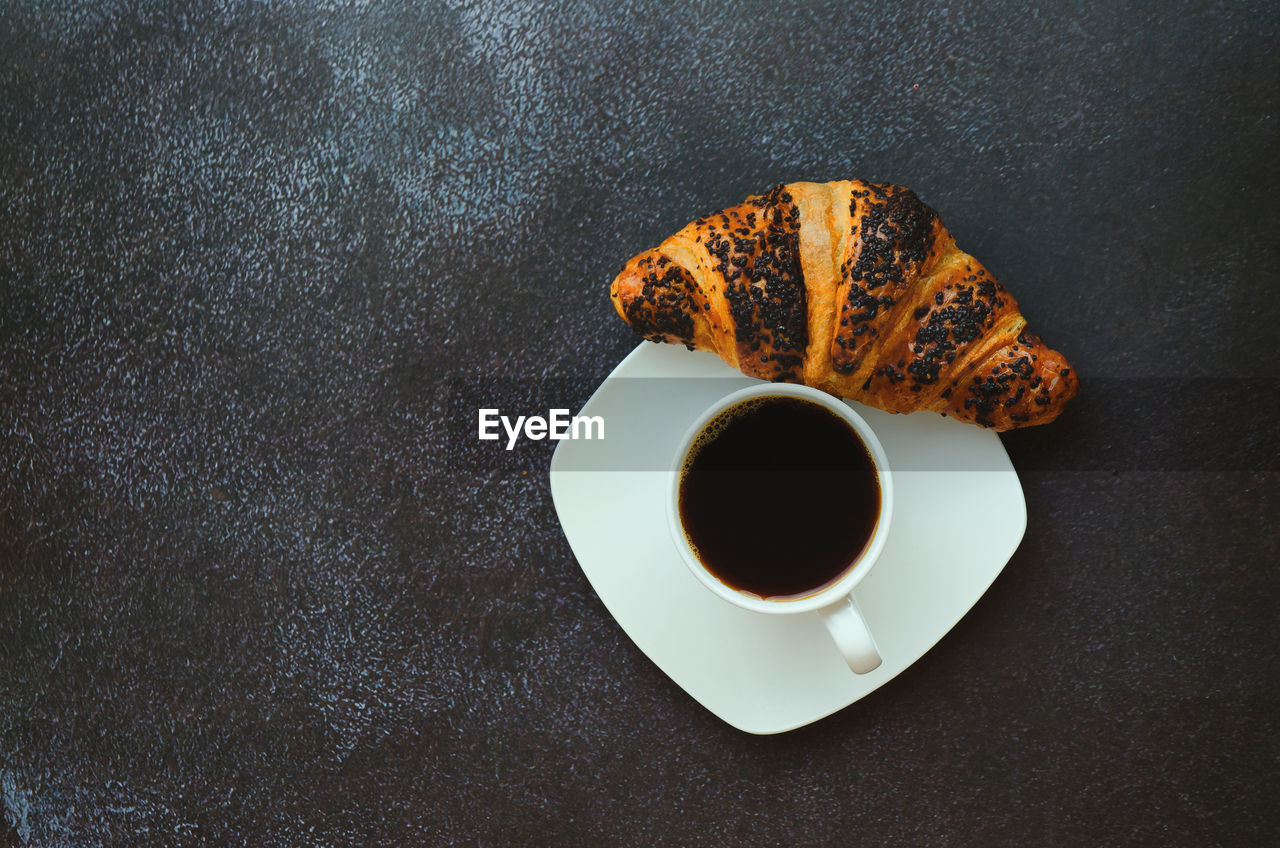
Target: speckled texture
[(255, 588)]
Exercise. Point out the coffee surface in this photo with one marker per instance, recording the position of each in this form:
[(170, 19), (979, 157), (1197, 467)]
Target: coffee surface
[(778, 497)]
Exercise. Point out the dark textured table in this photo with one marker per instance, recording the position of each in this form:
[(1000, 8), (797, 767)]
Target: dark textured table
[(260, 585)]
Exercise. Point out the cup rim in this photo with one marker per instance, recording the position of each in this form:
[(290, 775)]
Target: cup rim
[(839, 590)]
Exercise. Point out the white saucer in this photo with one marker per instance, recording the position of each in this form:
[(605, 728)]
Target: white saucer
[(959, 515)]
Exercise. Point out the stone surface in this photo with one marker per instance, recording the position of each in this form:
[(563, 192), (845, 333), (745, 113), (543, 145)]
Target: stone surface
[(259, 586)]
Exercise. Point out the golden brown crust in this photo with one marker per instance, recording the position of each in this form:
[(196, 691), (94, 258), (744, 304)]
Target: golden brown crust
[(854, 288)]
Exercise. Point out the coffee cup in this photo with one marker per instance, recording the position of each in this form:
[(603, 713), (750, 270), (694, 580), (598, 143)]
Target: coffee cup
[(780, 503)]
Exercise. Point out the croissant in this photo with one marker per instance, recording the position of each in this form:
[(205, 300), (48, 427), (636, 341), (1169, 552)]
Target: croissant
[(854, 288)]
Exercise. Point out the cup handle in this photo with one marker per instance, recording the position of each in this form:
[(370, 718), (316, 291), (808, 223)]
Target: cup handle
[(849, 630)]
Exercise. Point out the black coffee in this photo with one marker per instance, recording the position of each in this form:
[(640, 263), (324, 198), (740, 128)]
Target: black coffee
[(778, 496)]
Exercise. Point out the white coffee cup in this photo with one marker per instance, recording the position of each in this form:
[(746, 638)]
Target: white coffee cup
[(834, 602)]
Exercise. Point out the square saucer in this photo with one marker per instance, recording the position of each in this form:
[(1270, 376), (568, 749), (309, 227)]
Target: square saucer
[(959, 515)]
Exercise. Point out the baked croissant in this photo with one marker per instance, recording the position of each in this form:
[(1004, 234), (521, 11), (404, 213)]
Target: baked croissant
[(854, 288)]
